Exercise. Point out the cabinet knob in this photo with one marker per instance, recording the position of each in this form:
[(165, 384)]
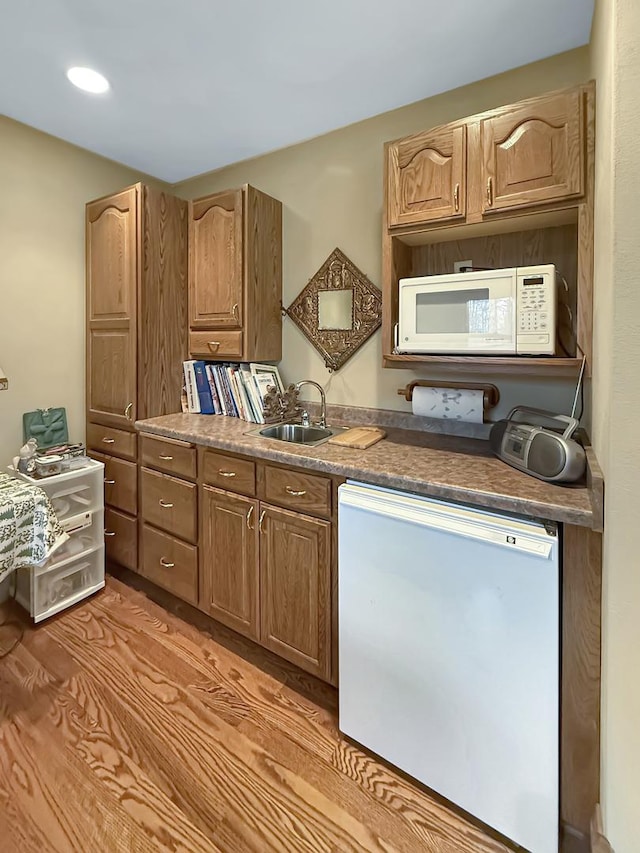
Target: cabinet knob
[(109, 533), (165, 564), (127, 411), (297, 493), (106, 440), (249, 514), (165, 504)]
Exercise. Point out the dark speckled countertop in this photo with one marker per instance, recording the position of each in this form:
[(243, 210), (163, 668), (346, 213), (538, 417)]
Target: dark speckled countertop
[(441, 466)]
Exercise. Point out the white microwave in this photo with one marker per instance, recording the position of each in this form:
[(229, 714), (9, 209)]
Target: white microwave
[(484, 312)]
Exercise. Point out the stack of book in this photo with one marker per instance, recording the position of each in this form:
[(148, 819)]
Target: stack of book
[(236, 390)]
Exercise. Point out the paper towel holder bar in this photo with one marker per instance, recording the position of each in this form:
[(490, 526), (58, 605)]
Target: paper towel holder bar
[(491, 394)]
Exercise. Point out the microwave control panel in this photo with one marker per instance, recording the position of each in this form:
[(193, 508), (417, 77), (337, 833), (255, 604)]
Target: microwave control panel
[(536, 301)]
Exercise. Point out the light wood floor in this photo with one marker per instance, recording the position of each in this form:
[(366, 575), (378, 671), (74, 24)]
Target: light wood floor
[(123, 728)]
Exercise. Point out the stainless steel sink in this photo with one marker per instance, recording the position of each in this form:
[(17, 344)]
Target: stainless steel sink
[(297, 433)]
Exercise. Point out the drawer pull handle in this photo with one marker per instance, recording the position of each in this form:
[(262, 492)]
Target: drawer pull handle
[(165, 458), (234, 310), (165, 564), (106, 440), (296, 493), (490, 192), (127, 411), (109, 482), (213, 345), (262, 515), (226, 473), (165, 504), (249, 514), (456, 197), (109, 533)]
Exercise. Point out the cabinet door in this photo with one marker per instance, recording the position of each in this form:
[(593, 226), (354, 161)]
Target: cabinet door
[(533, 154), (229, 560), (215, 261), (111, 308), (427, 177), (295, 588)]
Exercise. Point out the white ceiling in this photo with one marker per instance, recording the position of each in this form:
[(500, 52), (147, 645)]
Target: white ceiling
[(199, 84)]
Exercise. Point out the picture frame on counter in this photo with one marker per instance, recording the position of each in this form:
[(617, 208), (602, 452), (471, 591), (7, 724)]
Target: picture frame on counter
[(267, 375)]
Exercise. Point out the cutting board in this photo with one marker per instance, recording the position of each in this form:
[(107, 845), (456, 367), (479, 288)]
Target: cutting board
[(358, 437)]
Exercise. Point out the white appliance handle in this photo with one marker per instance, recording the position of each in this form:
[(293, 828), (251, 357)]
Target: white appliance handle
[(470, 524)]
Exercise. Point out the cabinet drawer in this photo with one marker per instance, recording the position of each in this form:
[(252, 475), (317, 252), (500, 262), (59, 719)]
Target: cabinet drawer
[(169, 504), (228, 472), (111, 440), (120, 482), (174, 457), (303, 492), (170, 563), (218, 344), (121, 538)]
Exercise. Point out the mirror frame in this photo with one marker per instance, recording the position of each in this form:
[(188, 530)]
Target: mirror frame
[(336, 346)]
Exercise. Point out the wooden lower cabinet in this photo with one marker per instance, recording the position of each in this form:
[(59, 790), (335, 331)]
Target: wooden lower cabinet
[(229, 560), (295, 588), (170, 563), (266, 573), (121, 538)]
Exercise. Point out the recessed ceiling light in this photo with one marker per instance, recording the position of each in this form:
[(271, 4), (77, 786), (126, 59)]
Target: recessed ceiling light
[(88, 80)]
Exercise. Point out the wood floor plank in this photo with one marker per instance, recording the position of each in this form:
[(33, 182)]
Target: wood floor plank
[(218, 671), (92, 734), (54, 803), (123, 728), (426, 814), (272, 808)]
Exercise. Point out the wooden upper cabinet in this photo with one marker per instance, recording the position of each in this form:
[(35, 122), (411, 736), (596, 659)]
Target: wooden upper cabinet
[(427, 177), (111, 308), (235, 276), (295, 588), (215, 261), (229, 559), (111, 257), (533, 154)]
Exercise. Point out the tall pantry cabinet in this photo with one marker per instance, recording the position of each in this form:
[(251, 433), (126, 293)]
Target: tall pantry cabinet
[(137, 339)]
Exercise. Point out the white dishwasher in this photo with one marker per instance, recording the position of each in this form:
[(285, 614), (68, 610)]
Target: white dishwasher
[(449, 654)]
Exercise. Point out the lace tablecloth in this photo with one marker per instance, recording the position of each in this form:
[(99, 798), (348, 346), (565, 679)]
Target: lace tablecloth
[(29, 528)]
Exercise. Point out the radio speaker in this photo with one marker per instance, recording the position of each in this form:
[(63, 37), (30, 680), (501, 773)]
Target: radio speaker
[(547, 456)]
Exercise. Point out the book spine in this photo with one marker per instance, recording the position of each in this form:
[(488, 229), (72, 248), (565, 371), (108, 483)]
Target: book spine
[(193, 400), (226, 388), (204, 392), (254, 395), (246, 408), (218, 380), (235, 396), (248, 413), (212, 387)]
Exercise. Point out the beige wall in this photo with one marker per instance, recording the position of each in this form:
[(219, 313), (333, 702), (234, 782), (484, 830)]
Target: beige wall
[(44, 185), (331, 189), (616, 405)]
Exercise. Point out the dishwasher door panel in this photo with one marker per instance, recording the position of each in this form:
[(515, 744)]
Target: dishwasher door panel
[(449, 659)]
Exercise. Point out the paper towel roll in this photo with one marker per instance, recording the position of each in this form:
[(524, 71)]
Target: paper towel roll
[(451, 404)]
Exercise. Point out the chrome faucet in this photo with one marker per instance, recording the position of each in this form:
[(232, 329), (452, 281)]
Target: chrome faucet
[(323, 403)]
